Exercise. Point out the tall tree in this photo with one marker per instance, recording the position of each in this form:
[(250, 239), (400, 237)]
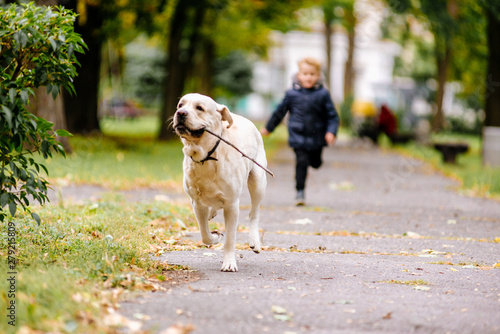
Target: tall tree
[(492, 97), (329, 18), (184, 33), (207, 29), (442, 16), (99, 20), (44, 106), (81, 108), (349, 23), (347, 20)]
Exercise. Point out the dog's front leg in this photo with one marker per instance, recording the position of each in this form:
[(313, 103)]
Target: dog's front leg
[(231, 214), (201, 213)]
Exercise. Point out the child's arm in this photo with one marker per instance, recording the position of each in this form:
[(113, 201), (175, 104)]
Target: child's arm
[(330, 138), (276, 117), (332, 119)]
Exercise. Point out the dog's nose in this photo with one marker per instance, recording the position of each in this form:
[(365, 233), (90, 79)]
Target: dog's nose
[(181, 113)]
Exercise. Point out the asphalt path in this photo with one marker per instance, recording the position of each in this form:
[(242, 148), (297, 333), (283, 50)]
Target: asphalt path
[(384, 245)]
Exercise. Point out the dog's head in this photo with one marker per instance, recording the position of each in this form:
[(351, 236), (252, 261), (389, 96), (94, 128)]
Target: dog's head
[(196, 112)]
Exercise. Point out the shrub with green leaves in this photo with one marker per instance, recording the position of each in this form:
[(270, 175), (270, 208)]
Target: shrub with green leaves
[(37, 46)]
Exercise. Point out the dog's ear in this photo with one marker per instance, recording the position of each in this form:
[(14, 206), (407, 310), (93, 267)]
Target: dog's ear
[(226, 115)]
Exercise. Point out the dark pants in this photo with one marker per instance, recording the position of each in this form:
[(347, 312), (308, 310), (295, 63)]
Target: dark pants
[(305, 159)]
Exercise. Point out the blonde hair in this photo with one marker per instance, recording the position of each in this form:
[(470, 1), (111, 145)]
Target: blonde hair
[(311, 61)]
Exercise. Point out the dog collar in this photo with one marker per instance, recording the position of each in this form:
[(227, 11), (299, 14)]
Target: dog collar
[(208, 157)]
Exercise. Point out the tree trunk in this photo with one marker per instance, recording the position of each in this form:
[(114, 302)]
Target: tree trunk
[(81, 109), (179, 59), (207, 68), (442, 68), (328, 44), (43, 105), (492, 98), (349, 71)]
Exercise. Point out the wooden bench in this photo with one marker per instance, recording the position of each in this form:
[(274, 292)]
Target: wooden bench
[(450, 151)]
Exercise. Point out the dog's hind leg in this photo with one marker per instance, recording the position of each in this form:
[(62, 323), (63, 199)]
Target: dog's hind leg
[(256, 185), (209, 238), (231, 214)]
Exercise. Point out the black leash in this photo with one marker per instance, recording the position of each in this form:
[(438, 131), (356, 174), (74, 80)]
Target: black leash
[(243, 154)]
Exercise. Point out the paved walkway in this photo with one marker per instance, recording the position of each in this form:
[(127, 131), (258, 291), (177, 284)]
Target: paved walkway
[(385, 245)]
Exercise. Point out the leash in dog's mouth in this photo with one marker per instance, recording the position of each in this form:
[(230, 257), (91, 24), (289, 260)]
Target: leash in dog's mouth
[(193, 133), (237, 149)]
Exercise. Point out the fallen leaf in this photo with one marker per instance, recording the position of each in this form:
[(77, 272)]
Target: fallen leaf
[(278, 309), (179, 329), (280, 313), (140, 316), (209, 254), (387, 316), (343, 302), (453, 269), (412, 235), (117, 320), (342, 186), (304, 221), (469, 266)]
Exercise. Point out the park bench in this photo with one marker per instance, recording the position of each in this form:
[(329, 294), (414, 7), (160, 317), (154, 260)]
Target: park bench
[(449, 151)]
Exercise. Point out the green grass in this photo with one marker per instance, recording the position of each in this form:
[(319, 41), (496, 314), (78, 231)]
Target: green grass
[(119, 163), (146, 127), (68, 263), (476, 179)]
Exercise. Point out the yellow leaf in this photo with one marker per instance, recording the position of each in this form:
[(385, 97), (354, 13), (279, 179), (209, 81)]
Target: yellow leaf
[(453, 269)]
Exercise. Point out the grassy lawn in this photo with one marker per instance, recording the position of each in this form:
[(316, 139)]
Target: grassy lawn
[(476, 179), (119, 162), (74, 266)]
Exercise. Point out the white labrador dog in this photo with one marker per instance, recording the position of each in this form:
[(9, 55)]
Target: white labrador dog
[(215, 173)]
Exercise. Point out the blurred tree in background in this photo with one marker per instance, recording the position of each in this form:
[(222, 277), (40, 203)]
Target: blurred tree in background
[(458, 48), (202, 30), (98, 22), (492, 93)]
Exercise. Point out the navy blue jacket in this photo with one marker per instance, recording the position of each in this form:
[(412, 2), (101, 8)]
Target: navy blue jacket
[(312, 115)]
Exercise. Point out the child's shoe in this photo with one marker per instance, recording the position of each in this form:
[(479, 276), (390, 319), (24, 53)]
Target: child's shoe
[(300, 198)]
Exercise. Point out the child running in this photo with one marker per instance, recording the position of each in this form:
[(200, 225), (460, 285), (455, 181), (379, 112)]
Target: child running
[(313, 121)]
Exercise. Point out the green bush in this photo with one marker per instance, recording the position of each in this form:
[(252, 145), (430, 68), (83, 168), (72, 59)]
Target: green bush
[(36, 49)]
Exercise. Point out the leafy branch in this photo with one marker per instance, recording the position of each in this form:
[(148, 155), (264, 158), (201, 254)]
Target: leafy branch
[(37, 48)]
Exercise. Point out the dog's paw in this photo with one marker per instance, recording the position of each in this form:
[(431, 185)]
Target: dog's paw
[(216, 237), (255, 249), (254, 242), (229, 266)]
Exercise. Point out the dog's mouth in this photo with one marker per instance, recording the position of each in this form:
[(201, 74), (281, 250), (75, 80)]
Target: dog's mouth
[(181, 129)]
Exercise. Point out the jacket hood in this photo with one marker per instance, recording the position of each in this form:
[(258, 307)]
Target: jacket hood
[(297, 86)]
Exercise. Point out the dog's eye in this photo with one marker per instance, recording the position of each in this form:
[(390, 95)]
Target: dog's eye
[(200, 108), (179, 106)]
